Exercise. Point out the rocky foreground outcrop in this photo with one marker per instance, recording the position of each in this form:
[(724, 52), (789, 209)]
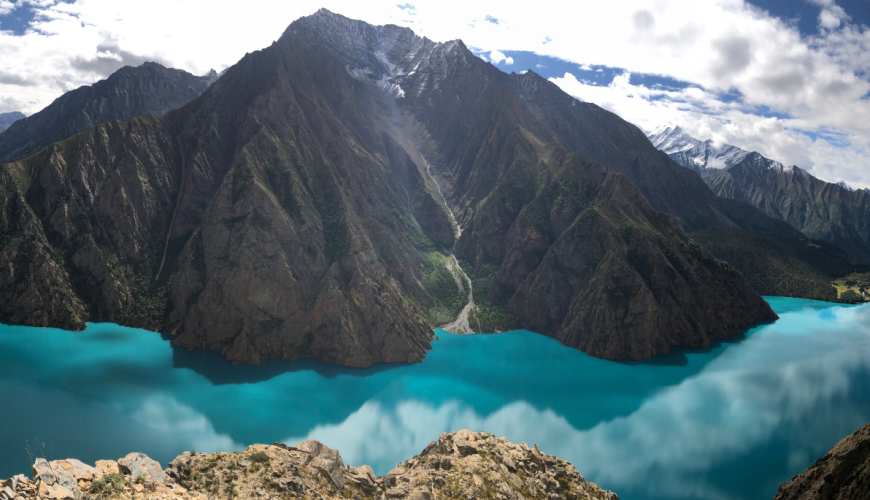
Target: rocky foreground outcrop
[(842, 474), (464, 464)]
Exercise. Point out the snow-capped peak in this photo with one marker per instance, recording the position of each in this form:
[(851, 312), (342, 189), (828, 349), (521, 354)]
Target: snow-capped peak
[(845, 186), (694, 153)]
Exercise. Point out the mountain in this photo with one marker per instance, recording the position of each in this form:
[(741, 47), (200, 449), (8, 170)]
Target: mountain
[(820, 209), (296, 208), (701, 156), (835, 213), (845, 186), (842, 474), (148, 89), (7, 119)]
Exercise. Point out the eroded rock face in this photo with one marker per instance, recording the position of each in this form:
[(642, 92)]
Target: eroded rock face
[(842, 474), (461, 465)]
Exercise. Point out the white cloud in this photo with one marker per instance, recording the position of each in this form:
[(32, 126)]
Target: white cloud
[(832, 15), (718, 45), (6, 7), (585, 67), (183, 424), (497, 56)]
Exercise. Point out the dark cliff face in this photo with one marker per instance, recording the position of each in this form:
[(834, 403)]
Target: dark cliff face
[(842, 474), (148, 89), (7, 119), (821, 210), (590, 263), (287, 212)]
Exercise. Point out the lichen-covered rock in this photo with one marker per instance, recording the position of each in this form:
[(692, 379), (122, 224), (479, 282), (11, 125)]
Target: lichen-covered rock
[(461, 465)]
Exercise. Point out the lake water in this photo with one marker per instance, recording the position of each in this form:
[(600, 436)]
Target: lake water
[(730, 422)]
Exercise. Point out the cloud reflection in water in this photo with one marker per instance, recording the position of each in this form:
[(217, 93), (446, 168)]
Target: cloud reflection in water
[(788, 389)]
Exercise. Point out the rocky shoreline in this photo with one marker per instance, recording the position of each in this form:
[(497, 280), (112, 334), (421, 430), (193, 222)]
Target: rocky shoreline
[(458, 465)]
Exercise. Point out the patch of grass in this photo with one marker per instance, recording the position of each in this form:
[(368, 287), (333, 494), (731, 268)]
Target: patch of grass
[(259, 458)]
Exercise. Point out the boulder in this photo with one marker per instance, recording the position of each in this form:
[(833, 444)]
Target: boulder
[(138, 465), (326, 460), (363, 476), (103, 467)]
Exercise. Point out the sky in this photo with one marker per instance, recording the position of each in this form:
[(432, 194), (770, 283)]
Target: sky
[(787, 78)]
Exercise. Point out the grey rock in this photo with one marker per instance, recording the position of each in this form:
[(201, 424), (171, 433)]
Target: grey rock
[(325, 459), (363, 476), (138, 465)]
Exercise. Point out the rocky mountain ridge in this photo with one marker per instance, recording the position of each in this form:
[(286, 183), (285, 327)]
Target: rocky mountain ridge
[(821, 210), (458, 465), (835, 213), (131, 91)]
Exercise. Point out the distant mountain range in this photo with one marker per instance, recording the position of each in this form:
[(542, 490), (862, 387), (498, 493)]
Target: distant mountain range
[(7, 119), (148, 89), (701, 156), (835, 213)]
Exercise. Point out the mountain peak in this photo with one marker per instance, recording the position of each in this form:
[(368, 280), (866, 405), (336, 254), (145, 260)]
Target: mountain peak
[(694, 153), (845, 186), (7, 119)]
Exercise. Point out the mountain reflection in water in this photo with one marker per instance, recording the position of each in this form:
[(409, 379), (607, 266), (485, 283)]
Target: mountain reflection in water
[(729, 422)]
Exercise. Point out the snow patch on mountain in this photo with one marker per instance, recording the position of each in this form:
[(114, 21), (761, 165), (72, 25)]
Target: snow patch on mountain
[(694, 153), (845, 186)]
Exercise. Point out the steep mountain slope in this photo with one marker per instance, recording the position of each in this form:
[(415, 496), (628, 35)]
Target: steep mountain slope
[(842, 474), (148, 89), (289, 210), (7, 119), (498, 141), (776, 264), (820, 209)]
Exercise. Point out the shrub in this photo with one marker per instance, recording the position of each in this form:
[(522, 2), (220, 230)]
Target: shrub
[(108, 485), (850, 297)]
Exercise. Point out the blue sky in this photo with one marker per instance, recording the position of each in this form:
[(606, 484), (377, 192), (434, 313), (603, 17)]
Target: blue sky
[(789, 79), (805, 15), (18, 20)]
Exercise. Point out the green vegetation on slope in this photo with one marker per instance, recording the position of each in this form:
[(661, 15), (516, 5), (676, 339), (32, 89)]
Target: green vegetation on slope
[(777, 264), (852, 289), (487, 316), (147, 304)]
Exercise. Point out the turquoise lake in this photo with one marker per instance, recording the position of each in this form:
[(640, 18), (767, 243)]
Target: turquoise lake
[(729, 422)]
